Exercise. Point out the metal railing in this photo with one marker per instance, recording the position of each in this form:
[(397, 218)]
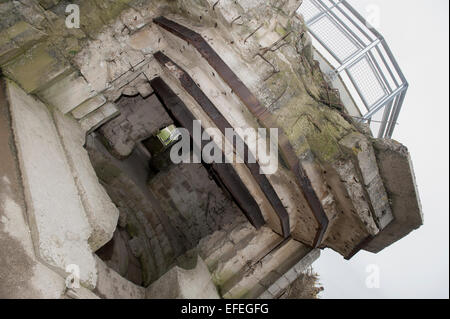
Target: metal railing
[(360, 56)]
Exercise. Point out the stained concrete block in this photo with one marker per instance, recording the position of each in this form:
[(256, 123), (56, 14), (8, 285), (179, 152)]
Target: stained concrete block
[(59, 226), (180, 283), (88, 106), (291, 275), (38, 68), (68, 93), (361, 149), (17, 39), (100, 116), (101, 212), (22, 275), (397, 172), (111, 285)]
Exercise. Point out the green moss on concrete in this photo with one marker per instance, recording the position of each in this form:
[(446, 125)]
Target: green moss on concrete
[(17, 39), (37, 68), (310, 125)]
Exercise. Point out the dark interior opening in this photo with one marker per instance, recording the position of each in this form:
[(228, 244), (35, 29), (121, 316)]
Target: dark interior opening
[(165, 208)]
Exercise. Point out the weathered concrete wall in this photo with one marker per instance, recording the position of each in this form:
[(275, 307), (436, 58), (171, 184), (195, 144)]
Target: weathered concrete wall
[(102, 214), (111, 285), (58, 221), (22, 274), (398, 175)]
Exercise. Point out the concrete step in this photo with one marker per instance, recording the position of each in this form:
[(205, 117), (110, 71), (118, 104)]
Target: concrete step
[(261, 275), (247, 253)]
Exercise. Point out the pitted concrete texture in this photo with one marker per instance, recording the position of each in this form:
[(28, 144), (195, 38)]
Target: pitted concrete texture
[(180, 283), (21, 274), (138, 120), (58, 222), (398, 175), (100, 210)]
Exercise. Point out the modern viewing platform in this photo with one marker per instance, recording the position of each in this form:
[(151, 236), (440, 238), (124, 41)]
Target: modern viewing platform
[(359, 63)]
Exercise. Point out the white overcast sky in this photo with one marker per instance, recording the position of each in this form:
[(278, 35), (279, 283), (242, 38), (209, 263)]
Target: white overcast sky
[(417, 266)]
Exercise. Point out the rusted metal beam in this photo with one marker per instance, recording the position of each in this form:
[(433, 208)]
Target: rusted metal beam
[(221, 122), (216, 62), (225, 172), (261, 114)]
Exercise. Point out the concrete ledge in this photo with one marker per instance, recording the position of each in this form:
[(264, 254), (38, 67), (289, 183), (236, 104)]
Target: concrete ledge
[(21, 274), (100, 116), (102, 214), (58, 223), (398, 175), (67, 93)]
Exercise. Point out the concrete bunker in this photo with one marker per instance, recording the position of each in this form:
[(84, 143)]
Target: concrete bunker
[(82, 110)]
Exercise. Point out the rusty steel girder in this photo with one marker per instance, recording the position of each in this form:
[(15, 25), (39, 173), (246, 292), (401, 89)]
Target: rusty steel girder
[(219, 120), (261, 113)]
